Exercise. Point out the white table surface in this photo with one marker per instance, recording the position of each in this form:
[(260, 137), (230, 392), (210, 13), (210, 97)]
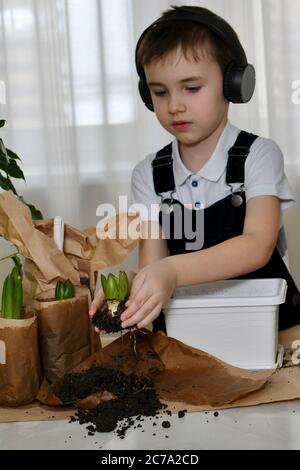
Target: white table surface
[(272, 426)]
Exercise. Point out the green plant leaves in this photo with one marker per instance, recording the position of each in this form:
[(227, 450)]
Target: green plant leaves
[(123, 285), (18, 263), (8, 162), (12, 293), (12, 154), (115, 287), (3, 152), (104, 284), (111, 287), (69, 289), (64, 290), (6, 184), (35, 213), (9, 168)]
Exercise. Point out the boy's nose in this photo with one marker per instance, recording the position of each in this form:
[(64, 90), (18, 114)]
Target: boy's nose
[(176, 105)]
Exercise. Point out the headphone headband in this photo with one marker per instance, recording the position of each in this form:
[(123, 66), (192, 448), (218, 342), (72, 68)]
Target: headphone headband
[(219, 26), (239, 83)]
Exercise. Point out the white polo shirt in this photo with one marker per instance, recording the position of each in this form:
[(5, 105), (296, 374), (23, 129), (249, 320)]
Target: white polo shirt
[(264, 175)]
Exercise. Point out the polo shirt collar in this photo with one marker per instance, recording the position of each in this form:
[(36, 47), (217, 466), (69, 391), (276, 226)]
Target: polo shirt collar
[(213, 169)]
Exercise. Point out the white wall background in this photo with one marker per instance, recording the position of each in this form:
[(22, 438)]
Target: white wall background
[(73, 111)]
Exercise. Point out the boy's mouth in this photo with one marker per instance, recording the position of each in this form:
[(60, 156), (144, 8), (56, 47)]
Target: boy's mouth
[(181, 125)]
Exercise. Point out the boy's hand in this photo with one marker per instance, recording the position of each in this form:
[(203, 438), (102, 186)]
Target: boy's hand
[(97, 304), (151, 288)]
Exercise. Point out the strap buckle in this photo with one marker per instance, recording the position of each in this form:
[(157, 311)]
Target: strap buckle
[(166, 207), (236, 195)]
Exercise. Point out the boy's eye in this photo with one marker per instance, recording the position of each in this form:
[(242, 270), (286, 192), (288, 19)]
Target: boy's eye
[(194, 88), (159, 93)]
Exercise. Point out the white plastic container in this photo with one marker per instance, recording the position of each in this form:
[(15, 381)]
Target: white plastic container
[(234, 320)]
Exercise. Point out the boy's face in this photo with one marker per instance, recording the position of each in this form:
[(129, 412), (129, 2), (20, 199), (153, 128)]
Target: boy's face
[(187, 96)]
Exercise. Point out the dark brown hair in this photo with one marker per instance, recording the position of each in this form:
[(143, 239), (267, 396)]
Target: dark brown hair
[(193, 38)]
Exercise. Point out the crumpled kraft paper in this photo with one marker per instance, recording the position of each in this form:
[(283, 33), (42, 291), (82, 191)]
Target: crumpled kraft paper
[(84, 252), (129, 354), (182, 373), (194, 377), (282, 385)]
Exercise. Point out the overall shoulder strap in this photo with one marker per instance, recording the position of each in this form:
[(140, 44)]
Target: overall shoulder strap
[(162, 166), (237, 154)]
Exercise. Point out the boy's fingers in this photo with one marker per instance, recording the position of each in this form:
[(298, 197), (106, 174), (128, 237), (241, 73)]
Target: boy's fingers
[(92, 310), (130, 275), (133, 283), (142, 291), (99, 331), (146, 308), (136, 286), (149, 318), (96, 304), (136, 305)]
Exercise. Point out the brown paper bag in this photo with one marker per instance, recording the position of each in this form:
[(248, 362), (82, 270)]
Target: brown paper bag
[(19, 360), (65, 332)]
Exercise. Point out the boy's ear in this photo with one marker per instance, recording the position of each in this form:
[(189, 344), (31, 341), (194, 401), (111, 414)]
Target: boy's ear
[(145, 94)]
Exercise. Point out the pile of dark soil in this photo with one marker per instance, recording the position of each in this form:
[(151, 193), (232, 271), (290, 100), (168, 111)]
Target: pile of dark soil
[(133, 396), (108, 414), (103, 319)]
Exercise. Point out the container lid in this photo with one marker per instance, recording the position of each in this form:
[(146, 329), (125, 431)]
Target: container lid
[(230, 293)]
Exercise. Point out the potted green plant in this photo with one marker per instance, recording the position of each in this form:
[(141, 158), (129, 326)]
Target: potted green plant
[(19, 334), (9, 168)]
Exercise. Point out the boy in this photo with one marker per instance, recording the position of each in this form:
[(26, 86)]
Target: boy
[(191, 64)]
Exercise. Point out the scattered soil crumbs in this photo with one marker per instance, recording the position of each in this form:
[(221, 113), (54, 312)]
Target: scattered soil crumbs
[(166, 424), (105, 321), (134, 397), (181, 413)]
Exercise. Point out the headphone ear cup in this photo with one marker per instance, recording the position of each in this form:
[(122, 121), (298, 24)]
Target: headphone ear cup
[(238, 82), (145, 94)]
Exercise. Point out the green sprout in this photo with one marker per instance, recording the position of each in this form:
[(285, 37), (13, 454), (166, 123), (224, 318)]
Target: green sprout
[(64, 290), (12, 294), (115, 289)]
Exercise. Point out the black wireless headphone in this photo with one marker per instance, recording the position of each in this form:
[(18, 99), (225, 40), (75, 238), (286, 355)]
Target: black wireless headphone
[(239, 76)]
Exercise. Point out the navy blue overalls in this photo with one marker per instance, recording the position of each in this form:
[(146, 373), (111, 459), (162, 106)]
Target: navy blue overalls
[(222, 220)]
